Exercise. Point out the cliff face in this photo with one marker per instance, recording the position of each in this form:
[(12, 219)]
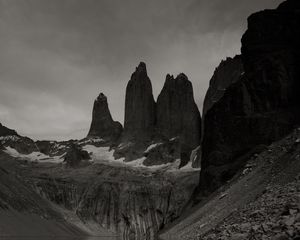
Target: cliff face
[(103, 125), (177, 112), (228, 72), (260, 107), (4, 131), (139, 106), (148, 123)]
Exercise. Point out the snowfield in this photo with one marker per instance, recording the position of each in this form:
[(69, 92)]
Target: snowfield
[(34, 156), (103, 155)]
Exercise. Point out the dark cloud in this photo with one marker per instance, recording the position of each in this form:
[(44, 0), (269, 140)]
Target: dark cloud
[(56, 56)]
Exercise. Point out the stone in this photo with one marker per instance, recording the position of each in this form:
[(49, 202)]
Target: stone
[(75, 155), (103, 125), (262, 106), (10, 138), (4, 131), (139, 106), (162, 153), (228, 72), (177, 112)]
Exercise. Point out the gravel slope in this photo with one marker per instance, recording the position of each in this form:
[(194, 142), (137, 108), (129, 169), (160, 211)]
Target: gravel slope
[(269, 172)]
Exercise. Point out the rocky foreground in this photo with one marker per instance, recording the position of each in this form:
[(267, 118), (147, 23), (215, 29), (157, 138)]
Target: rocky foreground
[(260, 202)]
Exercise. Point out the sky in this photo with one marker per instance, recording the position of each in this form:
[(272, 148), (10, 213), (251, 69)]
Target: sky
[(56, 56)]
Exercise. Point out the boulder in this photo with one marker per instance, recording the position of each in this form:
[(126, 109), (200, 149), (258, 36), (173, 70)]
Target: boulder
[(103, 125), (263, 105), (139, 106)]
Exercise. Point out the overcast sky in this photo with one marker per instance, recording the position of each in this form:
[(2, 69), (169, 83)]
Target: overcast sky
[(56, 56)]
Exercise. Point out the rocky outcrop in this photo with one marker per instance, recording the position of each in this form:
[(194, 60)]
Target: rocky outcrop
[(163, 152), (75, 155), (10, 138), (177, 112), (4, 131), (139, 106), (263, 105), (228, 72), (103, 125)]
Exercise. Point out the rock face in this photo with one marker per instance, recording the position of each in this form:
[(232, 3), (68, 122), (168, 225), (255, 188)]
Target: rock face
[(10, 138), (139, 106), (4, 131), (132, 204), (177, 112), (263, 105), (103, 125), (162, 153), (227, 73)]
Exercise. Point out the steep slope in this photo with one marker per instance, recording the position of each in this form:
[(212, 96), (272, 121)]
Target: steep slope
[(244, 204), (263, 105), (228, 72), (129, 202), (23, 212)]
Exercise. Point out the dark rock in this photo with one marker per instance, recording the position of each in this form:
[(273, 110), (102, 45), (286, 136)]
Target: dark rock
[(195, 157), (139, 106), (263, 105), (103, 125), (227, 73), (4, 131), (75, 155), (130, 150), (10, 138), (162, 153), (178, 115), (54, 148), (177, 112)]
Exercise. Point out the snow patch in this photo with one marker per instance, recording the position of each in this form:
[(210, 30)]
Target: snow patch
[(34, 156), (14, 138), (152, 146), (188, 167)]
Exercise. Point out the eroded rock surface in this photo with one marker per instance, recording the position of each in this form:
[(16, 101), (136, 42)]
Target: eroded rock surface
[(134, 204), (263, 105)]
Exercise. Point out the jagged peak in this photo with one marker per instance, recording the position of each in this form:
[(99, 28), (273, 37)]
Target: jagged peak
[(141, 68), (101, 97), (169, 77), (182, 76)]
